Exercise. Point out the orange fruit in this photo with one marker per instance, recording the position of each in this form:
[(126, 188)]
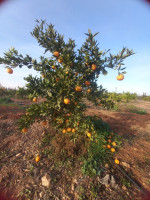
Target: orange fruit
[(89, 90), (53, 67), (73, 130), (109, 136), (56, 53), (9, 71), (75, 103), (87, 83), (89, 134), (93, 67), (112, 150), (120, 77), (43, 75), (69, 129), (24, 130), (60, 122), (60, 59), (69, 114), (64, 130), (114, 144), (78, 88), (100, 104), (66, 101), (76, 73), (66, 121), (108, 146), (109, 141), (34, 99), (104, 146), (117, 161), (57, 79), (44, 123), (37, 158)]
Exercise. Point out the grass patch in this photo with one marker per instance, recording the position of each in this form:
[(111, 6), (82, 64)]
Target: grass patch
[(5, 100), (134, 109)]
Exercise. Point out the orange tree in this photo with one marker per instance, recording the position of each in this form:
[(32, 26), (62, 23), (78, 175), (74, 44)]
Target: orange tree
[(67, 77)]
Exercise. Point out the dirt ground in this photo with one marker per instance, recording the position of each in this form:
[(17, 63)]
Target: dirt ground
[(17, 150)]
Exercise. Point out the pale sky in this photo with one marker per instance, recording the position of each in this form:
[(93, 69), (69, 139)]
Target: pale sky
[(119, 23)]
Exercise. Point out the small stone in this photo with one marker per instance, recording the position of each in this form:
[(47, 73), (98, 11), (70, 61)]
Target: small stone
[(41, 194), (126, 165), (113, 182), (105, 180), (46, 180)]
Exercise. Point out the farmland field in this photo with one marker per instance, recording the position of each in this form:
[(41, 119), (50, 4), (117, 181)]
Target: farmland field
[(20, 175)]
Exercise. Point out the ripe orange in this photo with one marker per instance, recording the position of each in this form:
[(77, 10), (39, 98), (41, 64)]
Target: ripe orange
[(57, 79), (75, 103), (89, 134), (108, 146), (24, 130), (89, 90), (43, 75), (60, 59), (78, 88), (44, 123), (66, 101), (117, 161), (60, 122), (69, 129), (112, 150), (100, 104), (87, 83), (9, 71), (67, 72), (76, 73), (37, 158), (66, 121), (73, 130), (114, 144), (93, 67), (64, 130), (109, 141), (53, 67), (34, 99), (109, 136), (56, 53), (104, 146), (69, 114), (120, 77)]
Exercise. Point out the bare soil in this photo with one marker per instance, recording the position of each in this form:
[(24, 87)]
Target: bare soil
[(20, 176)]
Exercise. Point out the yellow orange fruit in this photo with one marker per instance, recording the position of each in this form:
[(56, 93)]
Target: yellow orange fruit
[(66, 121), (34, 99), (104, 146), (87, 83), (117, 161), (69, 114), (76, 73), (9, 71), (53, 67), (78, 88), (73, 130), (93, 67), (67, 72), (56, 53), (37, 158), (75, 103), (89, 134), (109, 141), (69, 129), (64, 130), (89, 90), (66, 101), (120, 77), (112, 150), (114, 144), (108, 146), (24, 130), (60, 59), (100, 104), (43, 75)]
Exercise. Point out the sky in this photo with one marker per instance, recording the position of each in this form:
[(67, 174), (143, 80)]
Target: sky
[(120, 23)]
